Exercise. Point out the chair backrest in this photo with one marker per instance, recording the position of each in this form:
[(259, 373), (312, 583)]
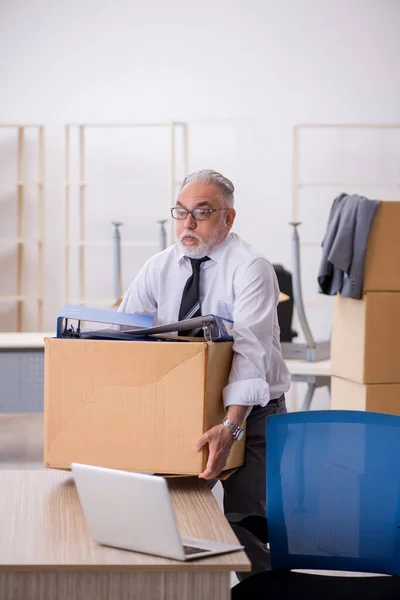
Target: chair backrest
[(285, 309), (333, 491)]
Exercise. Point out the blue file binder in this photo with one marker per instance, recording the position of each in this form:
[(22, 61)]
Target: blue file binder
[(135, 327)]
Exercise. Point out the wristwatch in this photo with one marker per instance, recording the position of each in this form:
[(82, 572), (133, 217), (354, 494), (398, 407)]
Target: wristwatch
[(237, 431)]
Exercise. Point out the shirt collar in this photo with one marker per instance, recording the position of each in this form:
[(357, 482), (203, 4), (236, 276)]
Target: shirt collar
[(215, 254)]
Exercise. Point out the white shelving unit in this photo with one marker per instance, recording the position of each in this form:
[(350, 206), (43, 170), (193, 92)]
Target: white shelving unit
[(337, 185), (20, 241), (341, 183), (172, 129), (351, 185)]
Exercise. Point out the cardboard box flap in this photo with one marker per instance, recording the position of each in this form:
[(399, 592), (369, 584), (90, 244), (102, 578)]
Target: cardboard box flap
[(218, 368)]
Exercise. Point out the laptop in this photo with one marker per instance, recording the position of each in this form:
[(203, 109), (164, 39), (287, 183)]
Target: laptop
[(133, 511)]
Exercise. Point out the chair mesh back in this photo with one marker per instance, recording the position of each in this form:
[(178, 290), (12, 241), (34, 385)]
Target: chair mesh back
[(333, 481)]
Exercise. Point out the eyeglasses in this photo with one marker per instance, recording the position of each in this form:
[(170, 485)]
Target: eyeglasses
[(198, 214)]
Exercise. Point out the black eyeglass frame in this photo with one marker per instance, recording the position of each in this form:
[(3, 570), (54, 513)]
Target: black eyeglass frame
[(191, 212)]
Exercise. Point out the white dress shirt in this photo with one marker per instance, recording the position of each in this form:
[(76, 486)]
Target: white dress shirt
[(236, 283)]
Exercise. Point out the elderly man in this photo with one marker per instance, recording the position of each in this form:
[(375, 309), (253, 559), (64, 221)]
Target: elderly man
[(210, 270)]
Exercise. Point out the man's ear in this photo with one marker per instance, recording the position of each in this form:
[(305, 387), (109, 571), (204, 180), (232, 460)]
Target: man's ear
[(230, 217)]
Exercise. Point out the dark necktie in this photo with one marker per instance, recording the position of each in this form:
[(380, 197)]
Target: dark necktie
[(190, 303)]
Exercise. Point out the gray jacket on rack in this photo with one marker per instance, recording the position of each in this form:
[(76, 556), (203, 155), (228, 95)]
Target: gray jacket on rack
[(344, 245)]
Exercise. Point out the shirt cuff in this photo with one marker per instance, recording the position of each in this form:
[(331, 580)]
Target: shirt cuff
[(246, 392)]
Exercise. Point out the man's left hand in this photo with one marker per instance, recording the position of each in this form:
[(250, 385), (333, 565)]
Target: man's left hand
[(220, 442)]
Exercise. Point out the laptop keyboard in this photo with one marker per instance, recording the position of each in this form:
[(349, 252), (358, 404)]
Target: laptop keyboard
[(189, 550)]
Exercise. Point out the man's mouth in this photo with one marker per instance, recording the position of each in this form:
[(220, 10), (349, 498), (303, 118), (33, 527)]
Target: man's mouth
[(189, 240)]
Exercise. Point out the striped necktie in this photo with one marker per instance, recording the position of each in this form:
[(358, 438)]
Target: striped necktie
[(190, 303)]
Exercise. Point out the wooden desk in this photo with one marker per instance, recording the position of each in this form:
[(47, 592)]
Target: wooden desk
[(46, 552), (314, 374)]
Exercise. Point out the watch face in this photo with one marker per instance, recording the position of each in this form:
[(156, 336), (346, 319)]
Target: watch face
[(239, 435)]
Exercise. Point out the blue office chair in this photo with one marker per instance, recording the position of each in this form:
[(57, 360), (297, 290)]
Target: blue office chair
[(333, 503)]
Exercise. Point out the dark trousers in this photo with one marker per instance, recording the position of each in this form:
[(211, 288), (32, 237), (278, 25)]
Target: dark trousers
[(245, 490)]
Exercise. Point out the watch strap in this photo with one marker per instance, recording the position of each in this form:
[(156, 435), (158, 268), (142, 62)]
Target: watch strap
[(236, 429)]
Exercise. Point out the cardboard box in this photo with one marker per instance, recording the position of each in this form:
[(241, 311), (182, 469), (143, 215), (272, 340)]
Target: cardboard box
[(374, 397), (382, 270), (136, 406), (365, 343)]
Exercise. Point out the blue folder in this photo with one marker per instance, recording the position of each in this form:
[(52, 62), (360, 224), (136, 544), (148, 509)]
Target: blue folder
[(135, 326)]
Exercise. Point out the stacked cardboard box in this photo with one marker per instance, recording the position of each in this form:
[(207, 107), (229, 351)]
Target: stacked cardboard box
[(365, 352)]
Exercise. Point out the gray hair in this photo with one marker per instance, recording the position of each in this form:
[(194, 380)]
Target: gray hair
[(210, 177)]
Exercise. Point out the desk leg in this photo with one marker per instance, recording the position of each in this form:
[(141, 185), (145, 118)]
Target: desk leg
[(75, 585), (311, 387), (313, 382)]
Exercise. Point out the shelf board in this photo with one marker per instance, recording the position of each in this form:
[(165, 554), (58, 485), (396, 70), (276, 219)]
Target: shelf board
[(12, 298), (25, 126), (20, 183), (95, 243), (19, 241), (116, 182), (132, 124), (19, 298), (316, 184), (347, 126)]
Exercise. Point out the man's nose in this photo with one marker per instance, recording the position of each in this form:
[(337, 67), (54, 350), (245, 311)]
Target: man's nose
[(190, 223)]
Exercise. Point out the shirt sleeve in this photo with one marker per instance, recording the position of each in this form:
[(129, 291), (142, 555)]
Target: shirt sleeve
[(139, 298), (254, 313)]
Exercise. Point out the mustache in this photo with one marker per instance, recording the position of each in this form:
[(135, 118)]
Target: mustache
[(190, 234)]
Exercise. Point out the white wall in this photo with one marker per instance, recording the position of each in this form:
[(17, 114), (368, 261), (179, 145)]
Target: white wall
[(243, 72)]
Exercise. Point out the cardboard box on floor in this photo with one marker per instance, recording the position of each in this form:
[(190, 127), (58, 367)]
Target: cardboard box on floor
[(374, 397), (136, 406), (382, 270), (365, 338)]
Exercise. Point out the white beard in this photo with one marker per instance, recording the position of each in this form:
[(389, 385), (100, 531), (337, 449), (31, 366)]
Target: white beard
[(204, 247)]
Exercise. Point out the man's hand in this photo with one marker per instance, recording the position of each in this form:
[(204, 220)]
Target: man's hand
[(220, 441)]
